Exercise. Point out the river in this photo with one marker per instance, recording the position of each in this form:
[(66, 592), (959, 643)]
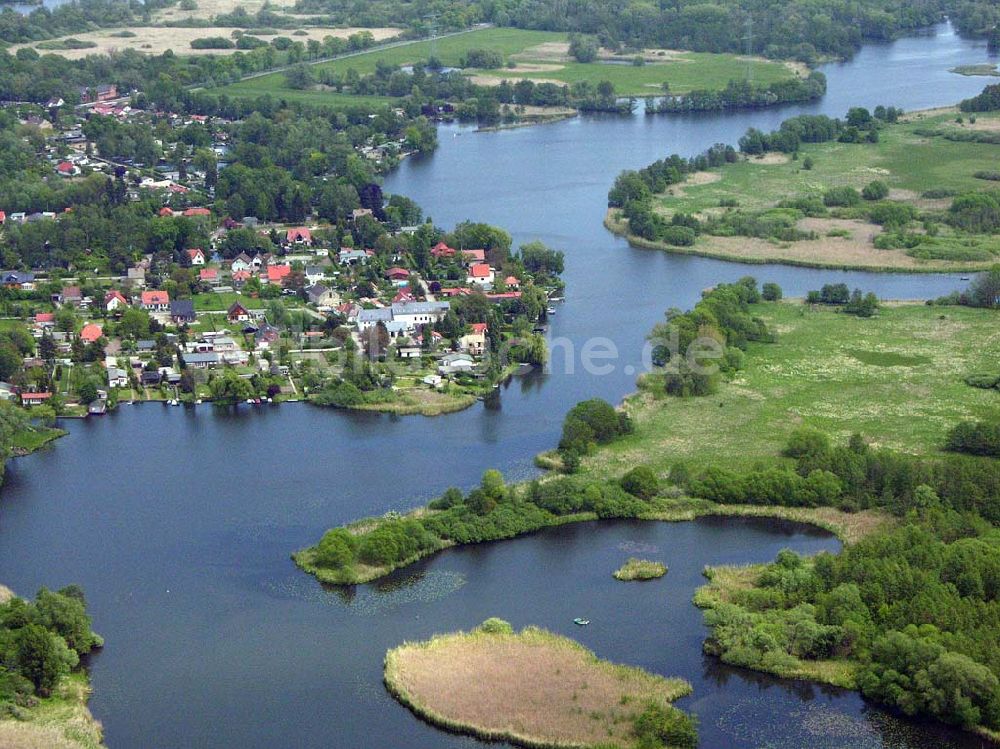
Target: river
[(178, 523)]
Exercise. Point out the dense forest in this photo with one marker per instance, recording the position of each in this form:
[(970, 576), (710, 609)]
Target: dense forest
[(798, 29)]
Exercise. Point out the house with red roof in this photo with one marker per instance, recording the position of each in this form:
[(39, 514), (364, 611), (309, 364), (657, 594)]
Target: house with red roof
[(474, 256), (474, 342), (404, 295), (197, 256), (210, 275), (166, 212), (399, 276), (240, 277), (114, 299), (34, 399), (91, 333), (155, 301), (480, 274), (298, 235), (190, 212), (70, 295), (67, 169), (512, 283), (441, 250), (3, 218), (278, 273)]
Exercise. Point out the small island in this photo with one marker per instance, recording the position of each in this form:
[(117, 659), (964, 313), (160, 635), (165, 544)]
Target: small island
[(536, 689), (640, 569)]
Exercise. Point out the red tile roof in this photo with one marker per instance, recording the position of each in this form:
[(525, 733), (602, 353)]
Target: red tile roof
[(35, 396), (114, 294), (397, 273), (197, 212), (155, 297), (195, 252), (45, 317), (210, 274), (65, 167), (479, 270), (479, 327), (166, 211), (298, 233), (474, 254), (91, 332), (276, 273)]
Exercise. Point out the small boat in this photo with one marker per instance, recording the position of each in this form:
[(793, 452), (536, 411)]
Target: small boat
[(964, 278), (581, 622), (550, 310)]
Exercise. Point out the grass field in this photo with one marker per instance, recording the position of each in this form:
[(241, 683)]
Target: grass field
[(837, 373), (640, 569), (61, 721), (534, 688), (909, 163), (538, 55)]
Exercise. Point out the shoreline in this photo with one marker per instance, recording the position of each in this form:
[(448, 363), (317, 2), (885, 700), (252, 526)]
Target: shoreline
[(616, 227)]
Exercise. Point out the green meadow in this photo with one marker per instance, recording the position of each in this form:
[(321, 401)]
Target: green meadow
[(896, 378), (536, 55)]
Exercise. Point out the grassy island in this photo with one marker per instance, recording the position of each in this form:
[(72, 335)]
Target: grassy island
[(535, 689), (640, 569), (896, 197)]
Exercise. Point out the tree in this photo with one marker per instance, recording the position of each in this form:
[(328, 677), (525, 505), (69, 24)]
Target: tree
[(985, 289), (770, 292), (42, 657), (583, 48), (230, 388), (641, 482)]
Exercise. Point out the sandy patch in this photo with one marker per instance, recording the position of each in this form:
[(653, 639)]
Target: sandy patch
[(554, 51), (496, 80), (155, 40), (988, 125), (533, 111), (693, 180), (208, 9)]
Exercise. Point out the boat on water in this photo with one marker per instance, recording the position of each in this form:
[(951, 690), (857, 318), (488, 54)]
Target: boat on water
[(964, 278), (550, 310), (581, 622)]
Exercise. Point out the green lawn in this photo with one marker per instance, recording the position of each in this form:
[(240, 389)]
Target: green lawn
[(684, 72), (896, 378)]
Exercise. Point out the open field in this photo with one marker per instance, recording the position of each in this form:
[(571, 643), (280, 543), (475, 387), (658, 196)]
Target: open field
[(896, 378), (541, 56), (155, 40), (908, 163), (533, 688)]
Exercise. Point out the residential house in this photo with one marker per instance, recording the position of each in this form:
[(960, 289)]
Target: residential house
[(238, 313), (419, 313), (353, 257), (209, 276), (70, 295), (456, 363), (182, 311), (474, 256), (103, 92), (34, 399), (475, 341), (398, 276), (150, 378), (480, 274), (155, 301), (117, 378), (240, 278), (441, 250), (298, 235), (114, 300), (145, 346), (193, 212), (17, 279), (44, 321), (197, 256), (241, 262), (67, 169), (314, 274), (368, 318), (266, 335), (136, 277), (512, 282), (91, 333), (201, 361), (278, 273), (321, 296), (8, 392)]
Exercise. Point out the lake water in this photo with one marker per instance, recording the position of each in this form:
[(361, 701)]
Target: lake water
[(179, 522)]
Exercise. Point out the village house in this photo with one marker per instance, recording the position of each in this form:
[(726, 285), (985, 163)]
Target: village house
[(353, 257), (480, 274), (277, 273), (201, 361), (266, 335), (322, 296), (193, 212), (209, 276), (474, 256), (114, 300), (241, 263), (475, 341), (91, 333), (238, 313), (117, 378), (155, 301), (512, 283), (456, 363), (441, 250), (298, 235), (368, 318), (314, 274), (67, 169), (17, 279), (103, 92), (34, 399), (240, 278), (182, 311), (419, 313), (399, 276), (197, 256), (70, 295)]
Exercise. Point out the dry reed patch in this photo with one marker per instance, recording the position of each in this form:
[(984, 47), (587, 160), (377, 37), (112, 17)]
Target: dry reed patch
[(849, 527), (5, 594), (770, 158), (496, 80), (533, 688), (555, 51)]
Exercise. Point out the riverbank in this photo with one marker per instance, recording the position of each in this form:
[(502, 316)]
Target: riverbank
[(877, 202), (62, 721), (532, 688), (29, 440)]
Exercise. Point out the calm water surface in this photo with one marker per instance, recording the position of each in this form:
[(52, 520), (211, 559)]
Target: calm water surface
[(179, 523)]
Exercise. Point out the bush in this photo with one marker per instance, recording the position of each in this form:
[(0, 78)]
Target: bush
[(495, 626), (841, 196), (770, 292), (641, 482), (212, 42), (590, 422), (875, 190), (678, 236), (975, 438)]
